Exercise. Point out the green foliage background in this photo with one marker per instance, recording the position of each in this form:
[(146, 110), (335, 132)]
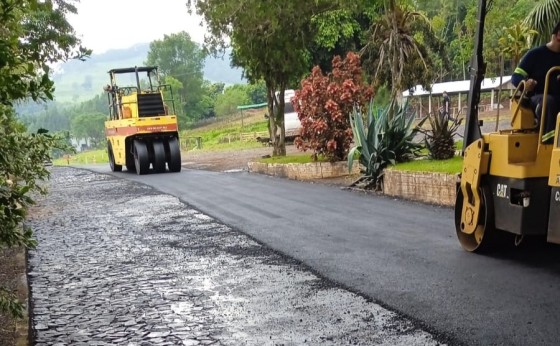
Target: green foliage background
[(35, 34)]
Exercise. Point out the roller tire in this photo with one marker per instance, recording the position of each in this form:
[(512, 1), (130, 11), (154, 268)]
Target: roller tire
[(174, 157), (141, 157), (112, 164), (130, 166), (486, 237), (159, 157)]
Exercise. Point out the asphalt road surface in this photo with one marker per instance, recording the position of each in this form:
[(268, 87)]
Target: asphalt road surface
[(403, 255)]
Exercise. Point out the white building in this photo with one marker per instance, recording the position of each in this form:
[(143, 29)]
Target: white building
[(458, 91)]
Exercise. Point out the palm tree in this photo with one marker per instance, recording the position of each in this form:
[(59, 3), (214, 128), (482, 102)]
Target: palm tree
[(513, 42), (516, 41), (543, 18), (396, 55)]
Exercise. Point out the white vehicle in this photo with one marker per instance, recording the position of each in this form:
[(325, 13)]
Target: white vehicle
[(291, 119)]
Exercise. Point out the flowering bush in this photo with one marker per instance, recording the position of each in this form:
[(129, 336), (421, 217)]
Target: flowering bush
[(324, 104)]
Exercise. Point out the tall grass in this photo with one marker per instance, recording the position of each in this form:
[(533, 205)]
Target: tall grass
[(451, 166), (84, 158), (225, 134), (294, 158)]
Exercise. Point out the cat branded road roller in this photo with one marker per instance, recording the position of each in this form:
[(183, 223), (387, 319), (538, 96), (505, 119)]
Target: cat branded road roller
[(141, 131), (510, 181)]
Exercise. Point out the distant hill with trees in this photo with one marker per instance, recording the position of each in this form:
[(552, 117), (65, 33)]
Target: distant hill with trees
[(78, 81)]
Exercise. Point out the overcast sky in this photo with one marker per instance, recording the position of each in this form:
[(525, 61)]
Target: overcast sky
[(110, 24)]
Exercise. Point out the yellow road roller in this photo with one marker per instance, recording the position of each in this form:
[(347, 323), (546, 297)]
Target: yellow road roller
[(509, 186), (142, 132)]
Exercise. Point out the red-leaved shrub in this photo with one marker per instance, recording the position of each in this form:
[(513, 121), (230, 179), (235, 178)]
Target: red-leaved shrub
[(324, 104)]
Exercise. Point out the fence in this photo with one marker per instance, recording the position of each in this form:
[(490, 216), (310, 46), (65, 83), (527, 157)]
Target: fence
[(191, 143), (252, 136), (225, 120), (422, 111)]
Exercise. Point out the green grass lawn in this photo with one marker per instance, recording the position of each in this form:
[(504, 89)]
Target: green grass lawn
[(450, 166), (294, 158), (214, 138), (84, 158), (234, 145), (225, 135)]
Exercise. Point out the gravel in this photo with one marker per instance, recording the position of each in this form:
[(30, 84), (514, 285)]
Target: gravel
[(119, 263)]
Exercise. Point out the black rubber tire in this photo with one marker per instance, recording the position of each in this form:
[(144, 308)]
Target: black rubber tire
[(174, 157), (159, 157), (114, 166), (491, 238), (141, 158), (130, 166)]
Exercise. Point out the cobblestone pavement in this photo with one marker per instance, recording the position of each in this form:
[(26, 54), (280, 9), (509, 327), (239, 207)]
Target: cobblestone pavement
[(120, 264)]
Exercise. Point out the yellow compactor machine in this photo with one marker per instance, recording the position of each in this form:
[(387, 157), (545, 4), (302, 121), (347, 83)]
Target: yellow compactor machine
[(510, 181), (142, 129)]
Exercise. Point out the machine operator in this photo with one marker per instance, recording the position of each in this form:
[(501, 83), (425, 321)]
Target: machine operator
[(533, 69)]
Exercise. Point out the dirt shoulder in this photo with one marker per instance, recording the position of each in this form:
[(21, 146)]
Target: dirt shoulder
[(12, 277), (223, 161)]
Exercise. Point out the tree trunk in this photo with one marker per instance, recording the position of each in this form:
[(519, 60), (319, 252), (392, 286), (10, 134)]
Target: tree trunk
[(500, 92), (276, 119), (270, 106), (281, 146)]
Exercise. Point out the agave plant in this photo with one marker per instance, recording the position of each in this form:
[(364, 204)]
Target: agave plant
[(398, 131), (387, 139), (373, 156), (439, 137)]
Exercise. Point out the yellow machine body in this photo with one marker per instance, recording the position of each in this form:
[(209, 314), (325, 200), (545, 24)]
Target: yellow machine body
[(141, 131), (522, 118), (117, 131), (510, 182), (517, 155)]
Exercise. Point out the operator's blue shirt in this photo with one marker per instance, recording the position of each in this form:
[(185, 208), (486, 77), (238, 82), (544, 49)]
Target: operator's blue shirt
[(535, 65)]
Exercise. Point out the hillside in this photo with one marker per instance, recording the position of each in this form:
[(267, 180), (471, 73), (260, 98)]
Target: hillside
[(78, 81)]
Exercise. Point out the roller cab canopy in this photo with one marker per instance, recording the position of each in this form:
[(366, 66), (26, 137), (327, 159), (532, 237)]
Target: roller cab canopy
[(133, 69)]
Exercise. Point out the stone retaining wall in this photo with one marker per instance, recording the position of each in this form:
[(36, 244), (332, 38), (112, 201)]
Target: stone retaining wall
[(304, 171), (436, 188)]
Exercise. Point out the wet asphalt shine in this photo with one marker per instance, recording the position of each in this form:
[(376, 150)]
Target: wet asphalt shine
[(199, 258)]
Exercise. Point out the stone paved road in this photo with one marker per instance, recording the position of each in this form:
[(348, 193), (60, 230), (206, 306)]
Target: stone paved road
[(121, 264)]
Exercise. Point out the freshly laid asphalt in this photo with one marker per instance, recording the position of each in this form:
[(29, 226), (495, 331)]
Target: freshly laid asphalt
[(403, 255)]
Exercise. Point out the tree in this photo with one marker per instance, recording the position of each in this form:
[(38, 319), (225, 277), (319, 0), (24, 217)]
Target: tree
[(324, 104), (97, 104), (543, 17), (89, 127), (232, 97), (453, 21), (257, 92), (35, 34), (211, 91), (176, 93), (401, 48), (503, 13), (269, 42), (515, 41), (179, 57), (340, 31)]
